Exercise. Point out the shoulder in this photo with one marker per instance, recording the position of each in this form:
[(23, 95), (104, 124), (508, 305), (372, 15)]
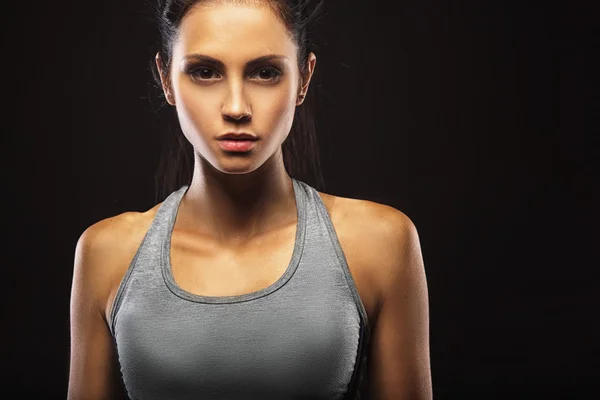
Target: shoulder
[(369, 220), (379, 237), (105, 249), (110, 234)]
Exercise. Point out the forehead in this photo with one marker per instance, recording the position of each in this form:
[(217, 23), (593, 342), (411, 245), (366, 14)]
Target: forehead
[(226, 31)]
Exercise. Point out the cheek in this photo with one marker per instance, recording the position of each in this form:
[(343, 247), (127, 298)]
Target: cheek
[(276, 111), (196, 111)]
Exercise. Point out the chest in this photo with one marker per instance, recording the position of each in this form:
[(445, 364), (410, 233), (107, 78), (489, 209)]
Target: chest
[(280, 346), (203, 267)]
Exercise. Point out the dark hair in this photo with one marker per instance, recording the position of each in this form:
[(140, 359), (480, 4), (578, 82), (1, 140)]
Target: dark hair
[(300, 149)]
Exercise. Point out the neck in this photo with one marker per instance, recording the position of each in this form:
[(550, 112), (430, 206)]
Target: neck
[(234, 208)]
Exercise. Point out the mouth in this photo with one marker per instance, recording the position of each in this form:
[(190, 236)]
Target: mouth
[(237, 145), (237, 136)]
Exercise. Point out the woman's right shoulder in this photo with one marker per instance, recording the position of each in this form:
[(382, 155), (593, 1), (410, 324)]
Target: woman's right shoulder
[(106, 248), (115, 233), (112, 230)]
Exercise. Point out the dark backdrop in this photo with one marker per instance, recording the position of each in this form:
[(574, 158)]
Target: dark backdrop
[(472, 117)]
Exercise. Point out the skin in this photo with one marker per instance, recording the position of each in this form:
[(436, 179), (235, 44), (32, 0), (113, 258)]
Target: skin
[(239, 201), (236, 195)]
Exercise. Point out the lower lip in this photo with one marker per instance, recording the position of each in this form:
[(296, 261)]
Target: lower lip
[(236, 145)]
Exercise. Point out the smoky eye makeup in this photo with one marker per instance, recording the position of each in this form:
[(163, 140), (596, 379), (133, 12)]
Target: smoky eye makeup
[(268, 72), (201, 72)]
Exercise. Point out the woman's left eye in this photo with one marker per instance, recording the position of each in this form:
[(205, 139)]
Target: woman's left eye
[(268, 74)]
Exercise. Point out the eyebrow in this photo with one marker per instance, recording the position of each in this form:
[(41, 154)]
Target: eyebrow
[(218, 63)]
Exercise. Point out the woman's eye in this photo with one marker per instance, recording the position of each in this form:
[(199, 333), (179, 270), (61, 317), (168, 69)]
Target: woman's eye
[(268, 74), (202, 73)]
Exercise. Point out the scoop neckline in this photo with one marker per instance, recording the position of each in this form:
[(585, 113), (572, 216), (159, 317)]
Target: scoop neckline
[(166, 266)]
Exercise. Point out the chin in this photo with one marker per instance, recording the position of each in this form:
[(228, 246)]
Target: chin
[(236, 164)]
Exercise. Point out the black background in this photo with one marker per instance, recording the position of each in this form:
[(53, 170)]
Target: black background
[(474, 118)]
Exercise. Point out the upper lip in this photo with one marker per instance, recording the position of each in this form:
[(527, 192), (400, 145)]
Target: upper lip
[(237, 135)]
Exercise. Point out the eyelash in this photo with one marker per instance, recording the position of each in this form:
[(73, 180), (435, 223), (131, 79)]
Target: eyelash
[(276, 74)]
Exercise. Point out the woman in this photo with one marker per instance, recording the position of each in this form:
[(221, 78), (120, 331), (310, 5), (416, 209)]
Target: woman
[(247, 283)]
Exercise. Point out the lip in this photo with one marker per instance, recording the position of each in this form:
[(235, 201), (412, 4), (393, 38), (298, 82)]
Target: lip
[(237, 136), (236, 145)]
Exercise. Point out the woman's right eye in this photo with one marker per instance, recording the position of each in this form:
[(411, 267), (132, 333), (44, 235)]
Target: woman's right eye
[(202, 73)]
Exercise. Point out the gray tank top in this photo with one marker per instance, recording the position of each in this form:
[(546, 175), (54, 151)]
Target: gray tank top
[(303, 337)]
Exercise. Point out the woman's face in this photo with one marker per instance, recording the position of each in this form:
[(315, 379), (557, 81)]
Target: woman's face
[(234, 69)]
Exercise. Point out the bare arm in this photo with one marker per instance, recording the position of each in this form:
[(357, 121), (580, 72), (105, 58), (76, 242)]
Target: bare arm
[(94, 372), (400, 341)]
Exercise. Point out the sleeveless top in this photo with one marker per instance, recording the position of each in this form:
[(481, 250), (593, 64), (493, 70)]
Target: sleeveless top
[(303, 337)]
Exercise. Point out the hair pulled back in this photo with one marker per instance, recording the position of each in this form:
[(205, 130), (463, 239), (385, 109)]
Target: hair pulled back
[(300, 149)]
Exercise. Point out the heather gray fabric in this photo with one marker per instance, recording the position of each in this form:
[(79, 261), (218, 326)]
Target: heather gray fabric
[(304, 337)]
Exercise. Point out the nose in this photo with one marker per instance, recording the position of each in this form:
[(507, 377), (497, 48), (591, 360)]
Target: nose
[(236, 106)]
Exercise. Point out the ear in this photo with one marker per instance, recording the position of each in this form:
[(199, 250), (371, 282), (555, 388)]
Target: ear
[(305, 79), (165, 81)]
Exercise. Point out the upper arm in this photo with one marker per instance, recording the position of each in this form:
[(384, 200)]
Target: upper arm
[(400, 361), (94, 372)]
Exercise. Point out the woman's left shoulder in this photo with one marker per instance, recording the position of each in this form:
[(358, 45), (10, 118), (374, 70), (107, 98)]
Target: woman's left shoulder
[(375, 237), (367, 218)]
